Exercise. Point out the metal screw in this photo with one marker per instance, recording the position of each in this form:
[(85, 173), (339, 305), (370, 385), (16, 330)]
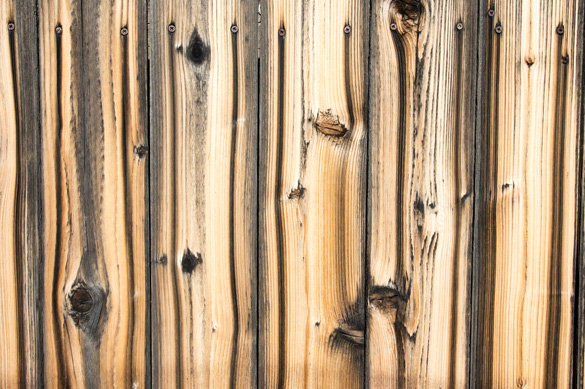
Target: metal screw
[(565, 60), (347, 29), (234, 29), (172, 28), (11, 26), (560, 30), (59, 30), (491, 13), (459, 26), (281, 31), (393, 26), (499, 29), (124, 31)]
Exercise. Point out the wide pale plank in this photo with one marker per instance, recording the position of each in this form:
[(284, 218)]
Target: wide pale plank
[(203, 72), (422, 76), (312, 193)]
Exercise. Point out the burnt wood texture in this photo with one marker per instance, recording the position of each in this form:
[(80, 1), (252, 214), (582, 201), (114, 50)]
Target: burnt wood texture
[(292, 193)]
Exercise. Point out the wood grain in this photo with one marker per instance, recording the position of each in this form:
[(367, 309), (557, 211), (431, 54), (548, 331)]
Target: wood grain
[(528, 185), (422, 74), (204, 95), (312, 193), (93, 103)]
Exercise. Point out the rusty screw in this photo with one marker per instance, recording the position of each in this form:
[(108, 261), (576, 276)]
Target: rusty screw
[(234, 29), (499, 29), (124, 31), (11, 26), (59, 30), (347, 29), (560, 30), (491, 13), (393, 26), (459, 26), (565, 60), (281, 31), (172, 28)]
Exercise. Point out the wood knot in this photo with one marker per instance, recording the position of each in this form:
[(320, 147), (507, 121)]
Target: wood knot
[(190, 261), (407, 14), (197, 51), (328, 124), (353, 336), (140, 151), (84, 305), (296, 193), (387, 299)]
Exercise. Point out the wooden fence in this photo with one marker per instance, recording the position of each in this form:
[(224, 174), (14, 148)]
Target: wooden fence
[(305, 193)]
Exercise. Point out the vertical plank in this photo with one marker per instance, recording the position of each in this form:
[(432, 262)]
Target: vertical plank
[(422, 83), (20, 340), (312, 193), (203, 64), (94, 126), (528, 181)]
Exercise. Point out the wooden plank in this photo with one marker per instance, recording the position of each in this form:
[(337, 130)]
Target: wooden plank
[(313, 78), (94, 126), (422, 76), (203, 190), (529, 191)]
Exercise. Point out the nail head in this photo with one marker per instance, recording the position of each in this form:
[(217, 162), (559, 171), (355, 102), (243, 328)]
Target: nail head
[(172, 28), (393, 26), (560, 30), (59, 30), (11, 26), (459, 26), (234, 29), (124, 31), (347, 29), (565, 59), (499, 29), (491, 13), (281, 32)]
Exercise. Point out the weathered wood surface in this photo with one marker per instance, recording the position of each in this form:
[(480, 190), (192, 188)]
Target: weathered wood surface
[(421, 159), (348, 194), (203, 81), (93, 102), (528, 192), (312, 193)]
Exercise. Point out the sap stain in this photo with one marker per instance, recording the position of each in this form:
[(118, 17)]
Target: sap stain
[(190, 261), (197, 51)]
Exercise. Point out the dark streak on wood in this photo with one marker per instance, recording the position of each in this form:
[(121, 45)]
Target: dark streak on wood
[(278, 214), (553, 322), (234, 136)]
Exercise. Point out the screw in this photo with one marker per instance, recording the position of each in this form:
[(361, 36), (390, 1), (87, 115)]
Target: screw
[(234, 29), (172, 28), (281, 31), (565, 60), (393, 26), (560, 30), (59, 30), (459, 26), (491, 13), (499, 29), (347, 29), (11, 26), (124, 31)]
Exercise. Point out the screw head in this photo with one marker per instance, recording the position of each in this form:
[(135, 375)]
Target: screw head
[(491, 13), (124, 31), (11, 26), (347, 29), (499, 29), (172, 28), (234, 29), (393, 26), (59, 30), (281, 31), (560, 30), (565, 59), (459, 26)]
